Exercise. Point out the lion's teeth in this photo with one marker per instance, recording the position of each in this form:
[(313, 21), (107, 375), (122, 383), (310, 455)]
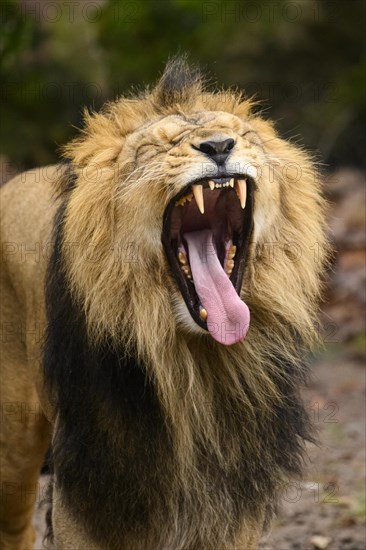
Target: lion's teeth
[(203, 313), (183, 200), (182, 258), (229, 258), (229, 266), (211, 185), (241, 190), (198, 195), (218, 185), (231, 182), (186, 270)]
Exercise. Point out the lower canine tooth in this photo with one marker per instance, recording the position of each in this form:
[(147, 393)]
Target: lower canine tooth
[(198, 195), (241, 190), (203, 313)]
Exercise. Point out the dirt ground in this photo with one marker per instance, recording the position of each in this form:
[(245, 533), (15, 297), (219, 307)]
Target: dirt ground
[(327, 508)]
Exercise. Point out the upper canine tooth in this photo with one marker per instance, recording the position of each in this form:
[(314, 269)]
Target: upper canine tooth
[(241, 190), (231, 182), (198, 195), (212, 185)]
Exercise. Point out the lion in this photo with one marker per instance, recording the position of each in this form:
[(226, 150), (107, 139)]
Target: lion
[(159, 293)]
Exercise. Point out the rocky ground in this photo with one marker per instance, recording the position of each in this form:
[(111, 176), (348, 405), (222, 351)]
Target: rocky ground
[(327, 509)]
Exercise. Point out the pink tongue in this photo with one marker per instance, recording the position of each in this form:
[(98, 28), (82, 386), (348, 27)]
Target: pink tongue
[(227, 315)]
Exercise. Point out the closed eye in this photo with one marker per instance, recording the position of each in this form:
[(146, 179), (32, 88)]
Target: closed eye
[(179, 137)]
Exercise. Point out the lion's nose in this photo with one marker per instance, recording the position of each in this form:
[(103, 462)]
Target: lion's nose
[(217, 150)]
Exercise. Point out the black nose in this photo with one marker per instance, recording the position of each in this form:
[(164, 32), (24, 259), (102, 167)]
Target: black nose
[(217, 150)]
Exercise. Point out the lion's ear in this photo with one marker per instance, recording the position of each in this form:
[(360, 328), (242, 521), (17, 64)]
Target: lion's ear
[(178, 84)]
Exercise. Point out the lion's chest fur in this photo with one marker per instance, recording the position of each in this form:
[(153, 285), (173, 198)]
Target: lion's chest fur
[(120, 460)]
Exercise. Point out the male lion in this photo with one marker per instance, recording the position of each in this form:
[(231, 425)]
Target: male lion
[(158, 295)]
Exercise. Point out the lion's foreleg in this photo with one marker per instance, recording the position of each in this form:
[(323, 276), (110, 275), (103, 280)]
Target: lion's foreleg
[(24, 434)]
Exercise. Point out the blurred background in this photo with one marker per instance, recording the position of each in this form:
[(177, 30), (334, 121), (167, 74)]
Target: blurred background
[(305, 61)]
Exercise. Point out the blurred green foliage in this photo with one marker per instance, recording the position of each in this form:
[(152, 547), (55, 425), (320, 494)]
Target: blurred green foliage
[(304, 59)]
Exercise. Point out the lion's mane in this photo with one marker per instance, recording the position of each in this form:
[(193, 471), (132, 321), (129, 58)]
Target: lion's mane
[(175, 439)]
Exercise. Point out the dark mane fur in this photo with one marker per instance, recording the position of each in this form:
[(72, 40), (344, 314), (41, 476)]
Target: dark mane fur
[(113, 452), (178, 82)]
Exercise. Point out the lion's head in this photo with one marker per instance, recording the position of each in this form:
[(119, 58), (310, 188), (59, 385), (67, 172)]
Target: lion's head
[(196, 202)]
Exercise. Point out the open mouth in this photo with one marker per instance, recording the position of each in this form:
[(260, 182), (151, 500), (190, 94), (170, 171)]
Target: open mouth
[(206, 231)]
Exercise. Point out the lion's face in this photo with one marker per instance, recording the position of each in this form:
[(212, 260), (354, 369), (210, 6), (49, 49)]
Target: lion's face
[(200, 169), (214, 205)]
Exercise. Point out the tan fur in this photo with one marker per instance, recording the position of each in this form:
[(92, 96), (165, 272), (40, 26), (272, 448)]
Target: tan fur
[(27, 208), (130, 160)]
